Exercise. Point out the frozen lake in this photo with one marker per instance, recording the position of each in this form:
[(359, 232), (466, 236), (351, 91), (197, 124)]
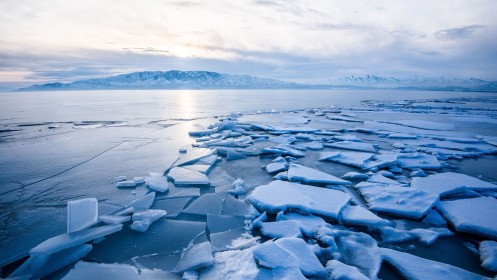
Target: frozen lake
[(60, 146)]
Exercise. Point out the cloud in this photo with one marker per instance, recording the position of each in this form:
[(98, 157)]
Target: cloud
[(458, 33)]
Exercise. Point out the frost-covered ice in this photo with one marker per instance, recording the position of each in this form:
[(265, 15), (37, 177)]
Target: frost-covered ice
[(356, 159), (473, 215), (195, 257), (307, 175), (308, 224), (143, 219), (309, 263), (360, 216), (488, 255), (418, 161), (413, 267), (233, 264), (338, 270), (183, 176), (280, 196), (395, 200), (280, 229), (426, 236), (157, 183), (81, 214), (451, 182)]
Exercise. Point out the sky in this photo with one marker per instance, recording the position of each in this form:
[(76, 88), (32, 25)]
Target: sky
[(299, 41)]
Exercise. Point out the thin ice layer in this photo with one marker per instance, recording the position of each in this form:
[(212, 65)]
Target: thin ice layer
[(195, 257), (307, 175), (413, 267), (473, 215), (183, 176), (398, 201), (280, 196), (355, 146)]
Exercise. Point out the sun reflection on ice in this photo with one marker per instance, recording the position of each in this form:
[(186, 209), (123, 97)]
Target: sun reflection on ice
[(186, 105)]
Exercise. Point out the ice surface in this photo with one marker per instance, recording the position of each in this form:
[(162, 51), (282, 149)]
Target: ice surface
[(183, 176), (349, 145), (425, 236), (281, 229), (143, 203), (157, 183), (208, 203), (307, 175), (355, 159), (67, 240), (234, 155), (399, 201), (235, 265), (220, 223), (222, 241), (114, 219), (280, 196), (173, 206), (87, 270), (381, 160), (428, 125), (193, 156), (195, 257), (488, 255), (202, 168), (451, 182), (473, 215), (278, 165), (308, 224), (314, 145), (126, 184), (233, 206), (355, 176), (413, 267), (418, 160), (270, 255), (81, 214), (309, 263), (378, 178), (38, 266), (341, 271), (434, 218), (360, 216), (143, 219)]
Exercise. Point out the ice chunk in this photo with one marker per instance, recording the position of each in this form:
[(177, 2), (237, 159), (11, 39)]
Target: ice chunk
[(157, 183), (306, 175), (378, 178), (81, 214), (143, 203), (309, 263), (418, 173), (473, 215), (281, 229), (434, 218), (355, 159), (120, 178), (355, 176), (338, 270), (238, 187), (415, 161), (195, 257), (349, 145), (399, 201), (271, 255), (183, 176), (402, 136), (233, 206), (450, 182), (223, 240), (139, 180), (126, 184), (86, 270), (193, 156), (488, 255), (114, 219), (38, 266), (202, 168), (360, 216), (173, 206), (143, 219), (208, 203), (277, 166), (235, 265), (399, 145), (280, 196), (71, 239), (426, 236), (220, 223), (381, 160), (413, 267), (314, 145), (307, 224), (234, 155)]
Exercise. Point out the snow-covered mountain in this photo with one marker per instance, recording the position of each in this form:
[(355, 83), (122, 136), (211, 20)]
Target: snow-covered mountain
[(415, 82), (168, 80)]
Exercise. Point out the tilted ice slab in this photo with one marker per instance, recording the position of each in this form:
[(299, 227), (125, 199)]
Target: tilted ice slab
[(488, 255), (398, 201), (280, 196), (81, 214), (418, 160), (143, 219), (451, 182), (157, 183), (349, 145), (281, 229), (309, 263), (193, 155), (308, 224), (355, 159), (142, 203), (359, 216), (413, 267), (338, 270), (307, 175), (473, 215), (183, 176), (87, 270), (67, 240), (195, 257)]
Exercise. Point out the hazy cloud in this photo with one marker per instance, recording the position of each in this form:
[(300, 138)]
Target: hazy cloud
[(458, 33)]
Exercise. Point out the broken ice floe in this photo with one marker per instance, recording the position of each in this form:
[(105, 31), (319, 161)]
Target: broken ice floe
[(307, 175), (488, 255), (81, 214), (280, 196), (473, 215), (450, 182), (395, 200), (195, 257), (349, 145), (280, 229), (143, 219), (183, 176), (360, 216)]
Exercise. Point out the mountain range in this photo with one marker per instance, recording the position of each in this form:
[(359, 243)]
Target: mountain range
[(175, 79)]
